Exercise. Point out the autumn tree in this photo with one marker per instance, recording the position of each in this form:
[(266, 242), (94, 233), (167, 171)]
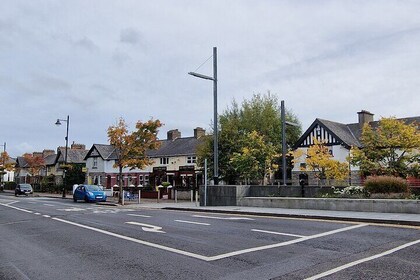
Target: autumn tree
[(319, 160), (262, 115), (5, 165), (35, 163), (255, 159), (131, 147), (391, 148)]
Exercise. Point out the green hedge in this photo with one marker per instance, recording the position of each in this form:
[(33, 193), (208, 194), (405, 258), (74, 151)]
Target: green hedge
[(386, 184)]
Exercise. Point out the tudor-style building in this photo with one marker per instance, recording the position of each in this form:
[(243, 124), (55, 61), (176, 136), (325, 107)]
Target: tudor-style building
[(339, 138), (173, 162)]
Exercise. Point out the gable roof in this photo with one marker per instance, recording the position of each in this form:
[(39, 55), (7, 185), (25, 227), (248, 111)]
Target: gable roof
[(106, 152), (73, 155), (347, 135), (178, 147), (168, 148)]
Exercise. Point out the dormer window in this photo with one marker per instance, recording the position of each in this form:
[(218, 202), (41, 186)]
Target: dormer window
[(95, 163)]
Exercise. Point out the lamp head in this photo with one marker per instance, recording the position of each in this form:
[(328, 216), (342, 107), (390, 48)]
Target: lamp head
[(58, 122)]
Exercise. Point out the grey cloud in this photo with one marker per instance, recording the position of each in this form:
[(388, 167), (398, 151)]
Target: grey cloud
[(49, 83), (120, 58), (130, 36), (87, 44)]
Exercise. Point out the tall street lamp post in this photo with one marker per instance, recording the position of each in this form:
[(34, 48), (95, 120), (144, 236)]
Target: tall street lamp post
[(215, 130), (58, 122), (283, 139)]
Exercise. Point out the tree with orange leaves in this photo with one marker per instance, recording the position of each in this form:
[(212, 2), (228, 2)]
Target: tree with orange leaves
[(35, 163), (131, 147)]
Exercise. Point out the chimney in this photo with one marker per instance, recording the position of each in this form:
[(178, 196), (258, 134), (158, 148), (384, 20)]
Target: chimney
[(37, 154), (364, 117), (173, 134), (198, 132), (46, 153), (77, 146)]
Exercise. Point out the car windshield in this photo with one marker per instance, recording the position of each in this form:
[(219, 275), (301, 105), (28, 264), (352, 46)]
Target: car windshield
[(92, 188), (25, 187)]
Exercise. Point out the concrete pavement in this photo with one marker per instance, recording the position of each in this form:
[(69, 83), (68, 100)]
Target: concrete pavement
[(181, 205)]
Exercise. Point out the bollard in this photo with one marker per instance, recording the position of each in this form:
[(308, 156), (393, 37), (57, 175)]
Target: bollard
[(196, 198), (139, 195), (122, 201), (192, 196), (176, 196)]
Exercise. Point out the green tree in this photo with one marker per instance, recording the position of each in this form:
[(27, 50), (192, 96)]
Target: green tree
[(255, 160), (260, 114), (392, 148), (131, 147)]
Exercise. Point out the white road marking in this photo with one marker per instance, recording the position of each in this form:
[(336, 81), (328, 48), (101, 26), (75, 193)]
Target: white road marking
[(16, 208), (278, 233), (146, 227), (37, 213), (11, 202), (337, 269), (189, 222), (138, 215), (49, 204), (223, 218), (46, 216), (240, 252), (197, 256), (73, 209), (169, 249)]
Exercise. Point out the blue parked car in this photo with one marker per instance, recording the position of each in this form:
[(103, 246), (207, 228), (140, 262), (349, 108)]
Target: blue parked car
[(89, 193)]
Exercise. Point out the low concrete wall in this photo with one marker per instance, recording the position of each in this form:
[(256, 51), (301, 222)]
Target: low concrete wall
[(229, 195), (223, 195), (335, 204)]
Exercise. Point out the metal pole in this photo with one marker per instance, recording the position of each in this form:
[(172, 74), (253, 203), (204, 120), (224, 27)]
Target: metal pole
[(65, 158), (215, 132), (205, 182), (283, 141)]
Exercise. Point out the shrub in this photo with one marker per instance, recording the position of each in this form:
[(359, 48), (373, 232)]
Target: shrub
[(386, 184)]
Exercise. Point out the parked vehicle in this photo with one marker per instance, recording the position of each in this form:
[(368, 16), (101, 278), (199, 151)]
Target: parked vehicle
[(23, 189), (89, 193)]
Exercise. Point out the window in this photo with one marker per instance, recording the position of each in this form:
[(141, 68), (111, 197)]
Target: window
[(191, 159), (141, 179), (164, 160), (95, 162), (146, 179)]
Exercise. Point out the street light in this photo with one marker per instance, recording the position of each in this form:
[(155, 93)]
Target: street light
[(283, 138), (215, 132), (58, 122)]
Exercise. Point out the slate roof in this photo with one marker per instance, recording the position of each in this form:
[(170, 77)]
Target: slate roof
[(21, 162), (349, 134), (73, 155), (178, 147), (106, 152), (50, 159), (168, 148)]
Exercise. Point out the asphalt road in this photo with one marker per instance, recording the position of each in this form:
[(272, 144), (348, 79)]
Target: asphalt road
[(46, 238)]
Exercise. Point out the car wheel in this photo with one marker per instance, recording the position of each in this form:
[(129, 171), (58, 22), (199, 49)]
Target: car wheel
[(15, 194), (86, 199), (74, 199)]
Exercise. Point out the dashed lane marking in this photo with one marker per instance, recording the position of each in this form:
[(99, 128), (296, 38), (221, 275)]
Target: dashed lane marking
[(190, 222), (223, 218), (197, 256), (278, 233), (138, 215)]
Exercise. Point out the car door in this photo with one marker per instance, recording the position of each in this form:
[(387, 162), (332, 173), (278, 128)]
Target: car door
[(79, 192)]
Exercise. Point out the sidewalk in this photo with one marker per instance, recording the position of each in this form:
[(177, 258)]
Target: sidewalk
[(182, 205)]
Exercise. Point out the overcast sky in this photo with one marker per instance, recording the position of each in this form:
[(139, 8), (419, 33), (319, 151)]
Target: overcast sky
[(100, 60)]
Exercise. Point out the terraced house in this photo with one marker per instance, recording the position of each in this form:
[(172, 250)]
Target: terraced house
[(173, 162)]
